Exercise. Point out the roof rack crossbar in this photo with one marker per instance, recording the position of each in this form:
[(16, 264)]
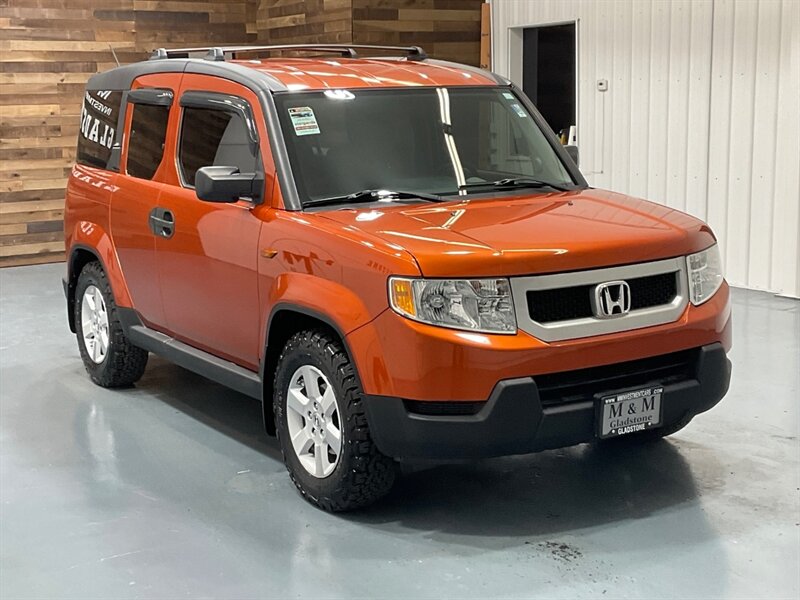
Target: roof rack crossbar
[(219, 53)]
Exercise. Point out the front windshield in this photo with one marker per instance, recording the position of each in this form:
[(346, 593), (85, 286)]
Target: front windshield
[(431, 140)]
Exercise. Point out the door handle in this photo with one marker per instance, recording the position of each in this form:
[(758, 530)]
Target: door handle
[(162, 222)]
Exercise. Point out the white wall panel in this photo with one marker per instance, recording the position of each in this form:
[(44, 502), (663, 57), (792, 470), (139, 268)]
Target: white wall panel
[(639, 98), (762, 183), (719, 126), (698, 111), (741, 63), (786, 208), (702, 113)]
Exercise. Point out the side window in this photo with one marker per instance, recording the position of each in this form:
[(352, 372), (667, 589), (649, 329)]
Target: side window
[(98, 127), (147, 137), (212, 137)]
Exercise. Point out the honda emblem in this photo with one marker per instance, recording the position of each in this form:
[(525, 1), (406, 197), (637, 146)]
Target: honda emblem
[(612, 299)]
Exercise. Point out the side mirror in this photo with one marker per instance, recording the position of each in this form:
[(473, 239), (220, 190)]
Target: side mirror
[(224, 184), (573, 153)]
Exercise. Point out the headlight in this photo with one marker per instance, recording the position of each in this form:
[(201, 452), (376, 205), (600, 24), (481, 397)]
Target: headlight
[(705, 274), (473, 304)]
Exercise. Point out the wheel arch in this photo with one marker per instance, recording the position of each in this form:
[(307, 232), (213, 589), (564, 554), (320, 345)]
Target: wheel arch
[(80, 255), (89, 240), (286, 319)]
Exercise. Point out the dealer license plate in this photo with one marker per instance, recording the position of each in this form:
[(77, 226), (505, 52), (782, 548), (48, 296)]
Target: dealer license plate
[(629, 412)]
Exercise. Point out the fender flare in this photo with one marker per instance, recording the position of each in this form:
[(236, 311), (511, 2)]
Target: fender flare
[(91, 238), (267, 380), (318, 297), (94, 239), (309, 312), (314, 314)]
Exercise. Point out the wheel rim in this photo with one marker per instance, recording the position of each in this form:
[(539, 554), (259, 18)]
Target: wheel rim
[(312, 416), (94, 324)]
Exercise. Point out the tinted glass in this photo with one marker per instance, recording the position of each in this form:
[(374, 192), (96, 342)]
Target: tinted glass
[(146, 145), (214, 138), (496, 138), (419, 140), (98, 127)]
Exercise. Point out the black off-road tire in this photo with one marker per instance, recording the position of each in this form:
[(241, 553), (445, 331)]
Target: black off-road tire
[(124, 363), (362, 474)]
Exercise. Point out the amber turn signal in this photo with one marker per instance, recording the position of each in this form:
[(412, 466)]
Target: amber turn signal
[(403, 296)]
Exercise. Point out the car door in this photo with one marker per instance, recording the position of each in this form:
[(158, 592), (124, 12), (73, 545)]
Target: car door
[(208, 263), (139, 183)]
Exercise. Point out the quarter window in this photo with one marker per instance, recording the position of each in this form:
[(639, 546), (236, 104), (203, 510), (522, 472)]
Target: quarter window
[(98, 127), (214, 138), (146, 145)]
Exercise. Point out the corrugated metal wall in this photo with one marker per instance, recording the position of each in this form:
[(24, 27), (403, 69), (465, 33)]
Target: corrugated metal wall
[(702, 113)]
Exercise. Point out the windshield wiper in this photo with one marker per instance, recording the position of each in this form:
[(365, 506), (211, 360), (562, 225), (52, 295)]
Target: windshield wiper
[(516, 182), (373, 196)]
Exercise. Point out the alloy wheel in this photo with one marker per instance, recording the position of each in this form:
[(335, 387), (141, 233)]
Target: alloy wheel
[(312, 417), (94, 324)]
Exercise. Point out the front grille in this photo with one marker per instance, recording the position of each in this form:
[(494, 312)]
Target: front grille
[(564, 304), (654, 290), (443, 409), (583, 384)]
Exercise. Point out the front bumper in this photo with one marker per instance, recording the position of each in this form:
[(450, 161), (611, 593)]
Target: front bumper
[(401, 358), (530, 414)]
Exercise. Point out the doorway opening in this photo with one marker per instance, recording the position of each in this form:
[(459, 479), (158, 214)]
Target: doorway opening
[(549, 74)]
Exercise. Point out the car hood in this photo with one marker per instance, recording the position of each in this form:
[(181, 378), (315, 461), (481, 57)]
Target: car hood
[(533, 233)]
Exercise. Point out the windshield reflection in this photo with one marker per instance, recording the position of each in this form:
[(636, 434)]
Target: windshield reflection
[(421, 140)]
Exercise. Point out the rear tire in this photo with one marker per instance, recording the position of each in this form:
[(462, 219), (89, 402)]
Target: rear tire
[(322, 427), (109, 357)]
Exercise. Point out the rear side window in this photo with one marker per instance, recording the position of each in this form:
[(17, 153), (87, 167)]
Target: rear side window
[(214, 138), (146, 145), (98, 127)]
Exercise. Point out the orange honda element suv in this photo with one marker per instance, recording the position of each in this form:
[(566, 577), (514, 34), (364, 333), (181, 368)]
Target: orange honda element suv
[(394, 254)]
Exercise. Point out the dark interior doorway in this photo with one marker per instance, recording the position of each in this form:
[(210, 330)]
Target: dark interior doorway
[(548, 73)]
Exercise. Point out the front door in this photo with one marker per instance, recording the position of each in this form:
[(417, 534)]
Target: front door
[(208, 263)]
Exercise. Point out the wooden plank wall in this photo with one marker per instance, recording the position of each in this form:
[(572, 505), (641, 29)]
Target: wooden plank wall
[(447, 29), (309, 21), (486, 36), (48, 49)]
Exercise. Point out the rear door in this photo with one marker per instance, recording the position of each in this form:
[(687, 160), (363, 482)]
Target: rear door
[(141, 179), (208, 267)]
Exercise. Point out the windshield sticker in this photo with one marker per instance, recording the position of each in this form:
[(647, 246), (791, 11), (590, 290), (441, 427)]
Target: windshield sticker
[(518, 109), (304, 121), (508, 96)]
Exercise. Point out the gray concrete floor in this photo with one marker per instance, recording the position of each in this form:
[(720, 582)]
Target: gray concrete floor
[(169, 489)]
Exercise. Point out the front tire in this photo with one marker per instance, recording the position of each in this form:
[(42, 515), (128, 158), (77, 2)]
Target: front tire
[(322, 427), (109, 357)]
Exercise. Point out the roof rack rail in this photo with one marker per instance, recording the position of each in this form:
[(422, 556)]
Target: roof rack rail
[(221, 53)]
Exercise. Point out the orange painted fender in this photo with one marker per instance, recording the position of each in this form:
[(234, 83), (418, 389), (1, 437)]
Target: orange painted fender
[(328, 300), (93, 238)]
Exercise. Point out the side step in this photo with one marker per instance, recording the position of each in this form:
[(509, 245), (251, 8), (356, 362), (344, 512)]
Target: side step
[(202, 363)]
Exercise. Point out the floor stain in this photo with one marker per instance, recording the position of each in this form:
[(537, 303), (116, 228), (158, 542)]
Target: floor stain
[(561, 551)]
